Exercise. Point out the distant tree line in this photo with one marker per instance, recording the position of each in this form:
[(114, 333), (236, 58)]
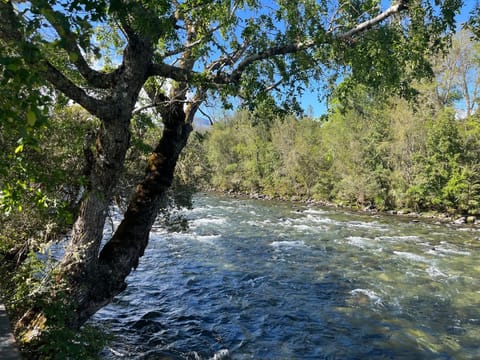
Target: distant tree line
[(415, 152), (386, 155)]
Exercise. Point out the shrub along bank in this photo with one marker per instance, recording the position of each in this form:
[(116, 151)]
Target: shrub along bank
[(388, 157)]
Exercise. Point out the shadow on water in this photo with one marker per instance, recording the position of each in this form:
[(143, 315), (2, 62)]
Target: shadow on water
[(298, 284)]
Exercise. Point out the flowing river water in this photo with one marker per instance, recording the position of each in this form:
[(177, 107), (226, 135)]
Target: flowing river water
[(269, 280)]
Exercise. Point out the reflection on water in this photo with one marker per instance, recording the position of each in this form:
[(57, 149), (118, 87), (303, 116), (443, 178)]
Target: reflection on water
[(265, 280)]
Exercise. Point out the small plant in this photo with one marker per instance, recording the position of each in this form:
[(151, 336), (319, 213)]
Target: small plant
[(32, 288)]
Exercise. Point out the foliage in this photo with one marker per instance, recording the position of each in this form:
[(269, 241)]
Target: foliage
[(38, 216), (47, 183), (192, 169), (23, 105), (388, 154), (30, 288)]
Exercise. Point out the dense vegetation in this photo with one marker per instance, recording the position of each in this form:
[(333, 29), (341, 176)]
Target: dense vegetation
[(368, 152), (387, 156)]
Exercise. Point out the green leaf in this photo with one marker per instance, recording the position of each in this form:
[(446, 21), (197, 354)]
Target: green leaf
[(13, 66), (19, 148), (73, 57), (31, 118)]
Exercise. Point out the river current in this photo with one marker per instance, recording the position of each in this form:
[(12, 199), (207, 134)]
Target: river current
[(269, 280)]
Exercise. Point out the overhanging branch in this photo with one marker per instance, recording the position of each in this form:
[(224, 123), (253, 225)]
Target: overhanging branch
[(299, 46), (392, 10), (10, 31), (60, 23), (218, 78)]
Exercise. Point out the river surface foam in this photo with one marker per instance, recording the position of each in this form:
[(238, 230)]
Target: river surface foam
[(267, 280)]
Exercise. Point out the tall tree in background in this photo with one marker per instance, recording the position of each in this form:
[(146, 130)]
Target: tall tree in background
[(180, 53), (459, 74)]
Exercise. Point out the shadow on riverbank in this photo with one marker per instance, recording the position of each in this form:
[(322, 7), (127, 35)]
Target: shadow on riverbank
[(8, 349)]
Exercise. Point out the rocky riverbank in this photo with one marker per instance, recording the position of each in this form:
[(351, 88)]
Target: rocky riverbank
[(439, 217)]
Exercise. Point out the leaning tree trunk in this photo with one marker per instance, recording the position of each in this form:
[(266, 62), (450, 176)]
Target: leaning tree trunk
[(94, 279), (104, 277), (110, 149), (83, 280)]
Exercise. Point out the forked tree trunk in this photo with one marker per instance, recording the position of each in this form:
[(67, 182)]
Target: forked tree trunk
[(104, 276), (90, 278), (87, 279)]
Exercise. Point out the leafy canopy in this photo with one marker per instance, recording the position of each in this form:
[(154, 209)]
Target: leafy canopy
[(237, 47)]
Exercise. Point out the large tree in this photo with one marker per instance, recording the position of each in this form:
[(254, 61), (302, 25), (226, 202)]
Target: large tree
[(180, 53), (458, 77)]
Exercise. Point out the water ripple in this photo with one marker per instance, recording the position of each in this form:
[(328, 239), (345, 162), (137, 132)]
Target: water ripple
[(260, 280)]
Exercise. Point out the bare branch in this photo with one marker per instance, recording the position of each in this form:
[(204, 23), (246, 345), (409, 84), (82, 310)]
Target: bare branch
[(331, 27), (394, 9), (274, 86), (206, 115), (183, 48), (142, 108)]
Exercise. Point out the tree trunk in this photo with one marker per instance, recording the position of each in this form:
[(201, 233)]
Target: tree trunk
[(82, 281), (111, 147), (104, 278)]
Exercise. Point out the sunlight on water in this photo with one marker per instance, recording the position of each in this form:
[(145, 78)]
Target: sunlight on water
[(268, 280)]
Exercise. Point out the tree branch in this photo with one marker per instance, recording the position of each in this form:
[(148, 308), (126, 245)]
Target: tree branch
[(61, 24), (269, 53), (299, 46), (274, 85), (65, 85), (219, 79), (10, 31), (192, 44), (392, 10), (206, 115), (172, 72), (145, 107)]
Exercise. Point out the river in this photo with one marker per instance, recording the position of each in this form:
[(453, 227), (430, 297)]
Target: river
[(257, 279)]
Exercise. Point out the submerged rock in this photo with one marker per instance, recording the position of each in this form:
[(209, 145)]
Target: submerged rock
[(471, 220)]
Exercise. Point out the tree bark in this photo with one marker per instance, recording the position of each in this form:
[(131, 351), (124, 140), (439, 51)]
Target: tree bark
[(103, 276), (80, 268)]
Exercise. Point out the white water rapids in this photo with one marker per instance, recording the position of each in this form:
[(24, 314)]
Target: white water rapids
[(268, 280)]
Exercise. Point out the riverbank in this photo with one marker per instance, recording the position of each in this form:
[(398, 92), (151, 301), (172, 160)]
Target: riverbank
[(438, 217), (8, 348)]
